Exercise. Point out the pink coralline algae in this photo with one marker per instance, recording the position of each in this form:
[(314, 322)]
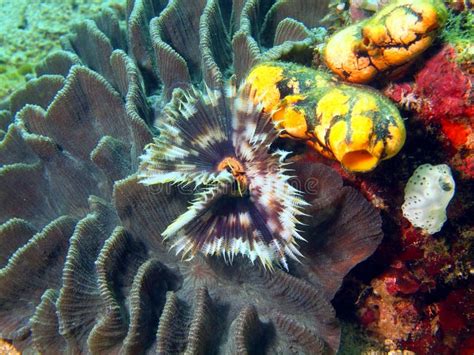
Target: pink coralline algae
[(416, 292), (444, 88), (442, 96), (417, 279), (410, 302)]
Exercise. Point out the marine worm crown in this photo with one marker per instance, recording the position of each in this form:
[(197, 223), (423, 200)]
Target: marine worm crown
[(219, 143)]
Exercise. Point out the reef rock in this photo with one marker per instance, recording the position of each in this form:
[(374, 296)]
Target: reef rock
[(84, 268)]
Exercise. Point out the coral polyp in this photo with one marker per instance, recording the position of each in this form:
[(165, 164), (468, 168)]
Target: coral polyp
[(221, 141)]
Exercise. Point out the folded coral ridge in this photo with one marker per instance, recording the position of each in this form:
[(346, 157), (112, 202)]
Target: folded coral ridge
[(84, 267)]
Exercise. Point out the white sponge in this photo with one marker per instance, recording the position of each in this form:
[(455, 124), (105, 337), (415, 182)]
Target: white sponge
[(427, 195)]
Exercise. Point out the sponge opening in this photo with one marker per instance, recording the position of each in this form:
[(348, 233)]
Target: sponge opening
[(359, 161)]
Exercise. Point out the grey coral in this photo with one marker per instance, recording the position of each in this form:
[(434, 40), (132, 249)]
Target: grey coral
[(83, 268)]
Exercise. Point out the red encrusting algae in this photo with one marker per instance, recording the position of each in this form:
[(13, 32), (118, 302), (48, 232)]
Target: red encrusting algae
[(442, 96)]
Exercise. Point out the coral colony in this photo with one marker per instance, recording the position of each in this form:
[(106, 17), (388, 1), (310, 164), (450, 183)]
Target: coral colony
[(204, 181)]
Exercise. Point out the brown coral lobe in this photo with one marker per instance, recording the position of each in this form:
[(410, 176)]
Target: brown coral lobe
[(84, 268)]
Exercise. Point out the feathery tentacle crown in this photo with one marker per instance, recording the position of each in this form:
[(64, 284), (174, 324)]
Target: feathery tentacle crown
[(219, 143)]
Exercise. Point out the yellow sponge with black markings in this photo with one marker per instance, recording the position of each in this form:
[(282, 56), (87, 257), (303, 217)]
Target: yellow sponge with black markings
[(355, 125)]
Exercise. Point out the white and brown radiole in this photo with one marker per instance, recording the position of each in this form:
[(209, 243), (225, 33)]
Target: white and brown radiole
[(219, 142)]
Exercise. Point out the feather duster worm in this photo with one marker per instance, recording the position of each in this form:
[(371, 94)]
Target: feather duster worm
[(221, 142)]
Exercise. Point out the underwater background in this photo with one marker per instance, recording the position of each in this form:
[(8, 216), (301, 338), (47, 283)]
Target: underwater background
[(338, 129)]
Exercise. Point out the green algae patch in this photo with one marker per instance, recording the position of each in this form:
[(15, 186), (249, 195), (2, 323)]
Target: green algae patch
[(29, 30), (355, 341), (10, 79), (458, 32)]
